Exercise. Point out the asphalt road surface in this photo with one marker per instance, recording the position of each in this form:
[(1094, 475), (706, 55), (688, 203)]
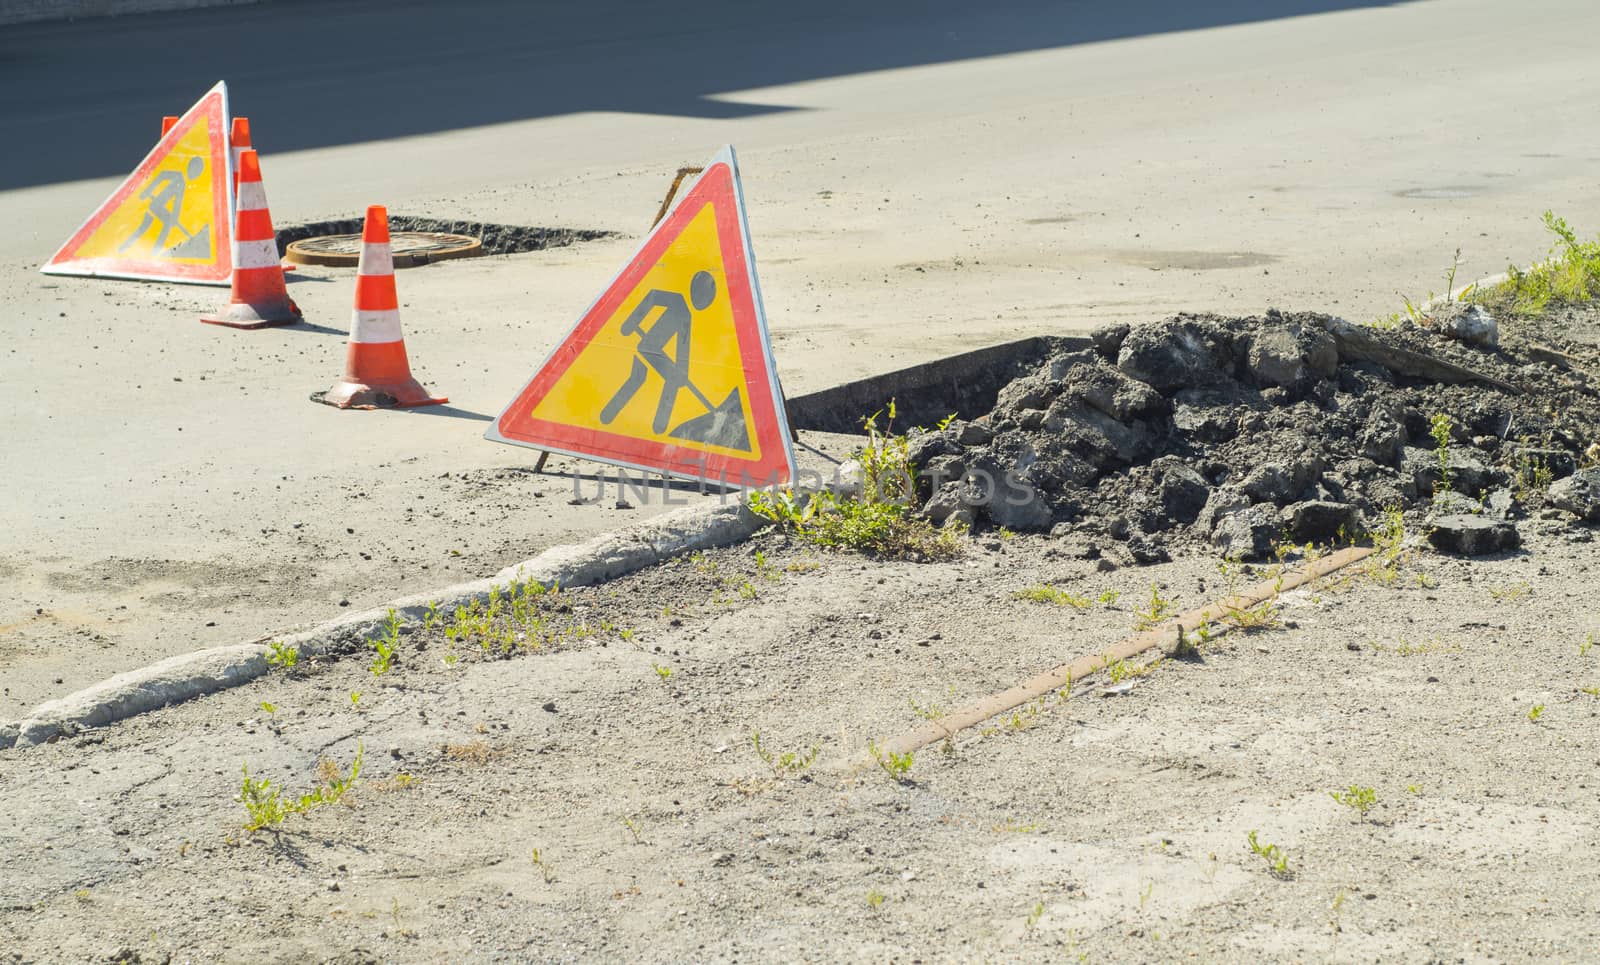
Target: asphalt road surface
[(921, 179)]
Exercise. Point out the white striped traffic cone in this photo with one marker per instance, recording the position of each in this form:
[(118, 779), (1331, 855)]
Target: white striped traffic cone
[(377, 373), (238, 143), (259, 296)]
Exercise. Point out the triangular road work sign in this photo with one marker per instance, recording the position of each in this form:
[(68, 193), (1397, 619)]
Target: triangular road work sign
[(172, 219), (670, 370)]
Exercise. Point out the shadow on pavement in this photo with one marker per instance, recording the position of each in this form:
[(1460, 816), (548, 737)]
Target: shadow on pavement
[(86, 97)]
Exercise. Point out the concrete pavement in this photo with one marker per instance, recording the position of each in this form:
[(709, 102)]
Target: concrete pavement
[(918, 184)]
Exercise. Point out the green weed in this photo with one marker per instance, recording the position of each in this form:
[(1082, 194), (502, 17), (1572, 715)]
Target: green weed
[(1155, 612), (385, 645), (1276, 860), (1357, 798), (1025, 718), (268, 808), (766, 570), (283, 656), (263, 802), (1383, 566), (1570, 276), (879, 522), (1439, 428), (1044, 593), (897, 766), (1535, 712), (521, 616), (1121, 670), (784, 763), (1262, 616)]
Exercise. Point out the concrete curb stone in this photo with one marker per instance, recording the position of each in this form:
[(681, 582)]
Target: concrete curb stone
[(190, 675)]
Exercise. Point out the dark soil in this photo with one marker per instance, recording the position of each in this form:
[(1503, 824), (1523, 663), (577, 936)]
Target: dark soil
[(1241, 432)]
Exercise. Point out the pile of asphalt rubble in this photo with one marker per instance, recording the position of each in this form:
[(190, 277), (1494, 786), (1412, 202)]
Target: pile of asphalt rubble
[(1241, 433)]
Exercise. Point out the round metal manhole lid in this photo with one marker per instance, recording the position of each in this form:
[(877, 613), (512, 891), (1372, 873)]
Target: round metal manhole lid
[(411, 248)]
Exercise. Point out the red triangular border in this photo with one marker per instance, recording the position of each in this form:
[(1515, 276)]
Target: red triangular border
[(516, 425), (212, 109)]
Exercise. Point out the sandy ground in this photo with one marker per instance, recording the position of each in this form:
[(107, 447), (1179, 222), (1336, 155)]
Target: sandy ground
[(917, 185), (1095, 828)]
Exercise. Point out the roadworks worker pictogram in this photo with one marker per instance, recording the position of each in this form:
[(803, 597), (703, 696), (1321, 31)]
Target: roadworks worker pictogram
[(721, 425), (163, 196), (172, 219), (671, 369)]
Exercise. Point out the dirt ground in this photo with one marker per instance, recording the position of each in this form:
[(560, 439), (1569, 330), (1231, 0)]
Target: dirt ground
[(619, 754)]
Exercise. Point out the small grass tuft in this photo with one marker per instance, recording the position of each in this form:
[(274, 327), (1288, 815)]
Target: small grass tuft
[(897, 766), (283, 656), (1273, 856), (268, 808), (1357, 798), (1045, 593), (1155, 612), (784, 763)]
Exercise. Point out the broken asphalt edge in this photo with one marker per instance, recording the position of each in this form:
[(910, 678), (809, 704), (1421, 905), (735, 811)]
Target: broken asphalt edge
[(186, 676)]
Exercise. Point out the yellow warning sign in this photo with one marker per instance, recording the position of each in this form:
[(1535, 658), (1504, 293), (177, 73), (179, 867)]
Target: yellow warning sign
[(170, 219), (673, 341), (670, 369)]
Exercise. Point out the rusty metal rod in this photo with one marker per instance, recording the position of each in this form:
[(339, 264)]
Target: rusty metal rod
[(1053, 680), (672, 192)]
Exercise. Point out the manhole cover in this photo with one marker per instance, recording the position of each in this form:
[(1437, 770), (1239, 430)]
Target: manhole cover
[(411, 248), (344, 235)]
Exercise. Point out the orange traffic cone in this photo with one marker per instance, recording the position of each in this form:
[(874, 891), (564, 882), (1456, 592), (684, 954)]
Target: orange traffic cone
[(239, 142), (259, 296), (377, 373), (168, 123)]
